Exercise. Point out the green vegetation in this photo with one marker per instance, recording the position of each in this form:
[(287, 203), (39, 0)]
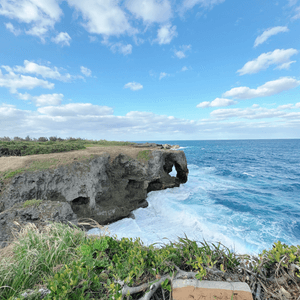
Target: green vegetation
[(144, 155), (32, 202), (43, 145), (72, 266)]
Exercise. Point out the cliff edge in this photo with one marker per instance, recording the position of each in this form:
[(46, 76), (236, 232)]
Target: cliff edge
[(102, 183)]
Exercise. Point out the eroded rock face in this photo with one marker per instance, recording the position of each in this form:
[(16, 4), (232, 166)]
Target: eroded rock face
[(38, 214), (97, 189)]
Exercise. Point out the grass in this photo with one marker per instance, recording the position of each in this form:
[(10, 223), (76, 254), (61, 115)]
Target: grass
[(72, 266), (144, 155), (28, 147)]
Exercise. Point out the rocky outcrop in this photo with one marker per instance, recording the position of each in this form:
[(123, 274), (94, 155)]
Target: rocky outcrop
[(97, 188)]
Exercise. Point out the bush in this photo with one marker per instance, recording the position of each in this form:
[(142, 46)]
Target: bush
[(43, 139), (18, 139), (53, 138), (28, 139), (60, 140), (5, 139)]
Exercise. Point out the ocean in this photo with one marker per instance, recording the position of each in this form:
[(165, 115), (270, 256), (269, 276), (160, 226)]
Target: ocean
[(242, 193)]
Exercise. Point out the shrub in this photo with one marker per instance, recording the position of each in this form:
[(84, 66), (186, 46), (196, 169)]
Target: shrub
[(28, 139), (18, 139), (53, 138), (43, 139)]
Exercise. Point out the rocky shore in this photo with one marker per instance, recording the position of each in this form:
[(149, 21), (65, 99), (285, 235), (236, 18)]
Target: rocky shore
[(105, 187)]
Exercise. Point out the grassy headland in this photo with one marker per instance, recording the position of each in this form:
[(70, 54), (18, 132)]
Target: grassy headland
[(43, 145), (71, 265)]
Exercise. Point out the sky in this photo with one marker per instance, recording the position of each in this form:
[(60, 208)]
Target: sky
[(150, 70)]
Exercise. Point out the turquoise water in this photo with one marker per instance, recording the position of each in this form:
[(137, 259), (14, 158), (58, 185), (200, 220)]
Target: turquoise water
[(243, 193)]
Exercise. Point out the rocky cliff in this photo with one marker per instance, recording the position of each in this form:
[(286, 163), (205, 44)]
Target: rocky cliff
[(99, 188)]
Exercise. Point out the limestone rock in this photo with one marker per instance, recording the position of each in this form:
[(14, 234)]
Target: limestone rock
[(38, 214), (97, 188)]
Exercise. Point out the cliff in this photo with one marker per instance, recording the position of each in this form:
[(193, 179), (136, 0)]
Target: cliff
[(105, 187)]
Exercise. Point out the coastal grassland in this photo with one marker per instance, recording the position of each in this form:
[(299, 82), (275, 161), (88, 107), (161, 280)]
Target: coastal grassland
[(23, 147), (70, 265)]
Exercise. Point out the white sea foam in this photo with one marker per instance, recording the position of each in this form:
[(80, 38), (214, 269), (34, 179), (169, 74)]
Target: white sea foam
[(172, 213)]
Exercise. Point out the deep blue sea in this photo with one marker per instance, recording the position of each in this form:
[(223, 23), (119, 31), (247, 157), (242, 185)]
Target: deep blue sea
[(242, 193)]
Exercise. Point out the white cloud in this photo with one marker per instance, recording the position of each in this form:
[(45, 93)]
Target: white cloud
[(25, 96), (15, 81), (150, 10), (162, 75), (188, 4), (217, 102), (92, 38), (48, 99), (85, 71), (165, 34), (63, 38), (255, 112), (76, 109), (121, 48), (297, 105), (268, 33), (181, 53), (268, 89), (292, 2), (184, 69), (134, 86), (12, 29), (297, 15), (279, 57), (118, 47), (33, 68), (42, 14), (97, 122), (102, 17)]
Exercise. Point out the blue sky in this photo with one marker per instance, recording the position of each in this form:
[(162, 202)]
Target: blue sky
[(150, 69)]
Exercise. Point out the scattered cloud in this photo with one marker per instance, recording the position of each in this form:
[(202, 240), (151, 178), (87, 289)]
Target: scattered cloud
[(279, 57), (268, 33), (256, 112), (118, 47), (207, 4), (62, 38), (268, 89), (292, 2), (184, 68), (12, 29), (42, 14), (92, 38), (181, 53), (85, 71), (121, 48), (33, 68), (297, 15), (14, 81), (76, 109), (217, 103), (165, 34), (103, 17), (48, 99), (134, 86), (150, 10), (87, 120), (162, 75)]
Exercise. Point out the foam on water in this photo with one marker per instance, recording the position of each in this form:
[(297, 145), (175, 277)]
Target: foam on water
[(240, 207)]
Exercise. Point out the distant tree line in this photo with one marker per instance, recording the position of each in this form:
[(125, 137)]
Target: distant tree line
[(40, 139)]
